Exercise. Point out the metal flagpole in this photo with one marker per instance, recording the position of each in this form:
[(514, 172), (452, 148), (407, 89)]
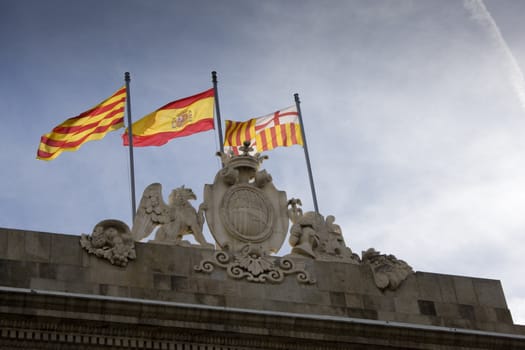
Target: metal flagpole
[(130, 138), (305, 147), (218, 112)]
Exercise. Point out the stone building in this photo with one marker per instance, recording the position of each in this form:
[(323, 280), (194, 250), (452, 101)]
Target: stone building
[(108, 290)]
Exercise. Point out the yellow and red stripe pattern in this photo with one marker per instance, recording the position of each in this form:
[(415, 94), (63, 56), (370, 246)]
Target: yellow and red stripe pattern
[(238, 132), (179, 118), (279, 129), (92, 124)]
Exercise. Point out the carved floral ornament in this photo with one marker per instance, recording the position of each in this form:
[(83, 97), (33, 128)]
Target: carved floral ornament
[(249, 220), (111, 240), (254, 265)]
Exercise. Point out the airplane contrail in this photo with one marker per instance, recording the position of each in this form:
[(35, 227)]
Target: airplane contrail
[(481, 14)]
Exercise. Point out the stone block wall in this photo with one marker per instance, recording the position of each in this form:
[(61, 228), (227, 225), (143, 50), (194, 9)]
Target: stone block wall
[(56, 262)]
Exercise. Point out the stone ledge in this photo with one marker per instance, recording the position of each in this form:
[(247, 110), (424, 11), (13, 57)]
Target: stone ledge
[(165, 272), (113, 319)]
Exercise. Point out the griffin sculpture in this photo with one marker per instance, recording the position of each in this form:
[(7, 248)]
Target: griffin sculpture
[(176, 219)]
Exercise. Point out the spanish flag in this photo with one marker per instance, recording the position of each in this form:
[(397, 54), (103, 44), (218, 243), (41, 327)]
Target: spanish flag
[(265, 133), (179, 118), (93, 124)]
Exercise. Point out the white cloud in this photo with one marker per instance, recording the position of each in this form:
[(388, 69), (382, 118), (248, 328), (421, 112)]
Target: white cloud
[(482, 15)]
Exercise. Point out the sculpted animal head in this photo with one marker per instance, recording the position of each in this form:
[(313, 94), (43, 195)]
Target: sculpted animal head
[(181, 195)]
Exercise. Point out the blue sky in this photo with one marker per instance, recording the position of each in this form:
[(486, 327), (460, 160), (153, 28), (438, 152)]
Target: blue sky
[(414, 115)]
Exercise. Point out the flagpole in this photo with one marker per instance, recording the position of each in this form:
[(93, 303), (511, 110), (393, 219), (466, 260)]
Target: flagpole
[(218, 112), (305, 147), (130, 138)]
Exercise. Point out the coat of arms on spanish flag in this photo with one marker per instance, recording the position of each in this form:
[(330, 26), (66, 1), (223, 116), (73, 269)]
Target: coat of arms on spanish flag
[(179, 118)]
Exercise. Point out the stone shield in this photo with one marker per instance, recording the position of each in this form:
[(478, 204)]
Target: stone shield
[(243, 214)]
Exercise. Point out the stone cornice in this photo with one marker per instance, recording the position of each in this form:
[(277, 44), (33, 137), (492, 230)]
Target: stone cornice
[(108, 322)]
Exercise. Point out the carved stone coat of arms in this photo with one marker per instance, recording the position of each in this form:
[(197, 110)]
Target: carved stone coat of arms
[(243, 207)]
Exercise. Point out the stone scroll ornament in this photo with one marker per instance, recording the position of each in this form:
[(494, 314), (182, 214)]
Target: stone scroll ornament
[(111, 240), (175, 219), (388, 271), (253, 264), (248, 218)]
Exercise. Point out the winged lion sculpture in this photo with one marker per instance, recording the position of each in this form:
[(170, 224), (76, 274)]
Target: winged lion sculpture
[(176, 219)]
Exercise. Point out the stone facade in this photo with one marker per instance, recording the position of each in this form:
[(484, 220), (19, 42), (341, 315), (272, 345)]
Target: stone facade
[(52, 291)]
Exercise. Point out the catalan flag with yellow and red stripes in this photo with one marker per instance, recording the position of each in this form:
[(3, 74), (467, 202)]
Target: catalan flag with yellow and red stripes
[(238, 132), (280, 128), (92, 124)]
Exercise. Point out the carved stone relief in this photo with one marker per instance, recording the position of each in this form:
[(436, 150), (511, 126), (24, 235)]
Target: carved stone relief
[(253, 264), (111, 240), (175, 220), (249, 218), (314, 237), (243, 206), (389, 272)]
